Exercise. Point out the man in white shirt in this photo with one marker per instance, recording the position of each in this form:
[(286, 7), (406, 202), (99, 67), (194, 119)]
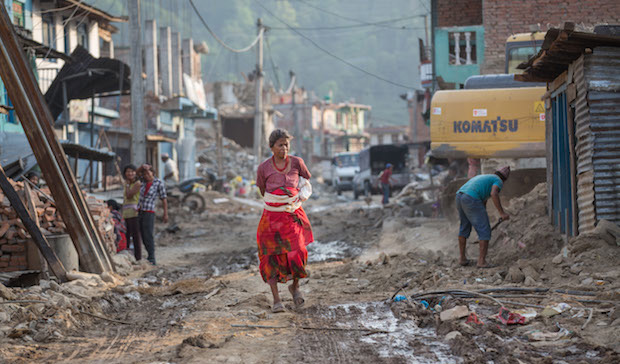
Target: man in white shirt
[(171, 173)]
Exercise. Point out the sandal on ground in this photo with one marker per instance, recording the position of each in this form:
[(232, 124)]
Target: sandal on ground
[(487, 266), (277, 307), (465, 263), (298, 297)]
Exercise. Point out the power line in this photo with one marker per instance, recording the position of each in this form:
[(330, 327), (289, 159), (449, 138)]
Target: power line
[(379, 24), (260, 34), (273, 65), (330, 53), (363, 25)]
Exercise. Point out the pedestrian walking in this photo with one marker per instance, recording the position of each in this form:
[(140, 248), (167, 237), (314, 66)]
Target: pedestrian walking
[(471, 201), (152, 188), (131, 198), (386, 182), (171, 172), (284, 230)]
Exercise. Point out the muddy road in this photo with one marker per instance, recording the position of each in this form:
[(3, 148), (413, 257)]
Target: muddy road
[(206, 303)]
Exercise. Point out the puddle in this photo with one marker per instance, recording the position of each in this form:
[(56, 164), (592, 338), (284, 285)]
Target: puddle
[(405, 341), (333, 250)]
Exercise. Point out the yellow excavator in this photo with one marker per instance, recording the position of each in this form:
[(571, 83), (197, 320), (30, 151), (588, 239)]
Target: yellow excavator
[(493, 116)]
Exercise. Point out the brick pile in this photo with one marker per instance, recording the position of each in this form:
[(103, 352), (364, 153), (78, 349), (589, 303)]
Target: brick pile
[(14, 237)]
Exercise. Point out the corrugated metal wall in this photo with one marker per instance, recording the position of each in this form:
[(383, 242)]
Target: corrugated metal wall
[(597, 120), (583, 150)]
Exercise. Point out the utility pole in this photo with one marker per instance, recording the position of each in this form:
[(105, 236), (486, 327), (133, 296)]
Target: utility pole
[(138, 135), (295, 119), (258, 106)]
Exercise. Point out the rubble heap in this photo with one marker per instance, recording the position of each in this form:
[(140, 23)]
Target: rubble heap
[(236, 160), (14, 237)]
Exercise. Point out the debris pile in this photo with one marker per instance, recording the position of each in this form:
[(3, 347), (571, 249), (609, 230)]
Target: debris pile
[(14, 237), (236, 161)]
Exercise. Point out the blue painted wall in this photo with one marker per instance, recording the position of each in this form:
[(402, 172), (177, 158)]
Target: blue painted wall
[(9, 123), (457, 73)]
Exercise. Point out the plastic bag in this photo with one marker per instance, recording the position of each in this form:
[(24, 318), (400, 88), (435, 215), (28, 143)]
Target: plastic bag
[(305, 189)]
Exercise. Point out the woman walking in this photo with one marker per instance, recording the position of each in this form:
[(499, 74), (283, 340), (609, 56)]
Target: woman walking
[(131, 196), (284, 229)]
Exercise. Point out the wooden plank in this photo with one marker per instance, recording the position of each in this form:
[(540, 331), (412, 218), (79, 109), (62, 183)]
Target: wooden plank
[(55, 264), (35, 117), (33, 255)]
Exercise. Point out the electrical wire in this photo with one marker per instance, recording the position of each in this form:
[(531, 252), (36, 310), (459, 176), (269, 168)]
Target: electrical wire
[(260, 34), (273, 65), (59, 9), (62, 35), (362, 25), (330, 53), (379, 24)]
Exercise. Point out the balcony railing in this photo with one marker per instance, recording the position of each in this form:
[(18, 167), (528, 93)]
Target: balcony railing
[(46, 77)]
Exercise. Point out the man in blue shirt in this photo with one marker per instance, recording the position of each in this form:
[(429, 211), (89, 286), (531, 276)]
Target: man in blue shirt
[(471, 201)]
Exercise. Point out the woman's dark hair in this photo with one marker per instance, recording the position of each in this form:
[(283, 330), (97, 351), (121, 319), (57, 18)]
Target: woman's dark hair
[(129, 166), (278, 134), (113, 204), (500, 176)]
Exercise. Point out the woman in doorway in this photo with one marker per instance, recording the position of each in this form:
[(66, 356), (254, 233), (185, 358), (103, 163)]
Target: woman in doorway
[(284, 229), (131, 196)]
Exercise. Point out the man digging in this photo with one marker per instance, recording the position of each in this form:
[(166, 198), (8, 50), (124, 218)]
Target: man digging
[(471, 201)]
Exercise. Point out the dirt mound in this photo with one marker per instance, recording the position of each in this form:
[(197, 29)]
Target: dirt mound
[(528, 233)]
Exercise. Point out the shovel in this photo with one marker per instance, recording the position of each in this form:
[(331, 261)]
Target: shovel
[(492, 228)]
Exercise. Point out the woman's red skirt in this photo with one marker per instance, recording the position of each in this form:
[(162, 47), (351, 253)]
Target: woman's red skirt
[(282, 238)]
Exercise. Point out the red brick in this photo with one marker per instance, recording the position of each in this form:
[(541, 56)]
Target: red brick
[(13, 248), (17, 260), (503, 18)]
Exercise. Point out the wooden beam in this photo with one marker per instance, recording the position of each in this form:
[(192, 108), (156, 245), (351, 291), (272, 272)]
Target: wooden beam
[(33, 255), (35, 117), (55, 264)]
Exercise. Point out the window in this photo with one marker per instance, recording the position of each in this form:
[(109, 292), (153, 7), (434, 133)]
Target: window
[(18, 14), (66, 35), (518, 55), (82, 35), (49, 31), (462, 48)]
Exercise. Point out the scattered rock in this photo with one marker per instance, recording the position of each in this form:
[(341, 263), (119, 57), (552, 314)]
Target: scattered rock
[(609, 232), (110, 278), (529, 281), (588, 281), (7, 293), (454, 313), (576, 268), (55, 286), (206, 341), (452, 335), (515, 275), (557, 259), (123, 262), (531, 272)]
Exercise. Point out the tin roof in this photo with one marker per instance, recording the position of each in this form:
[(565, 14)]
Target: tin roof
[(561, 48)]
